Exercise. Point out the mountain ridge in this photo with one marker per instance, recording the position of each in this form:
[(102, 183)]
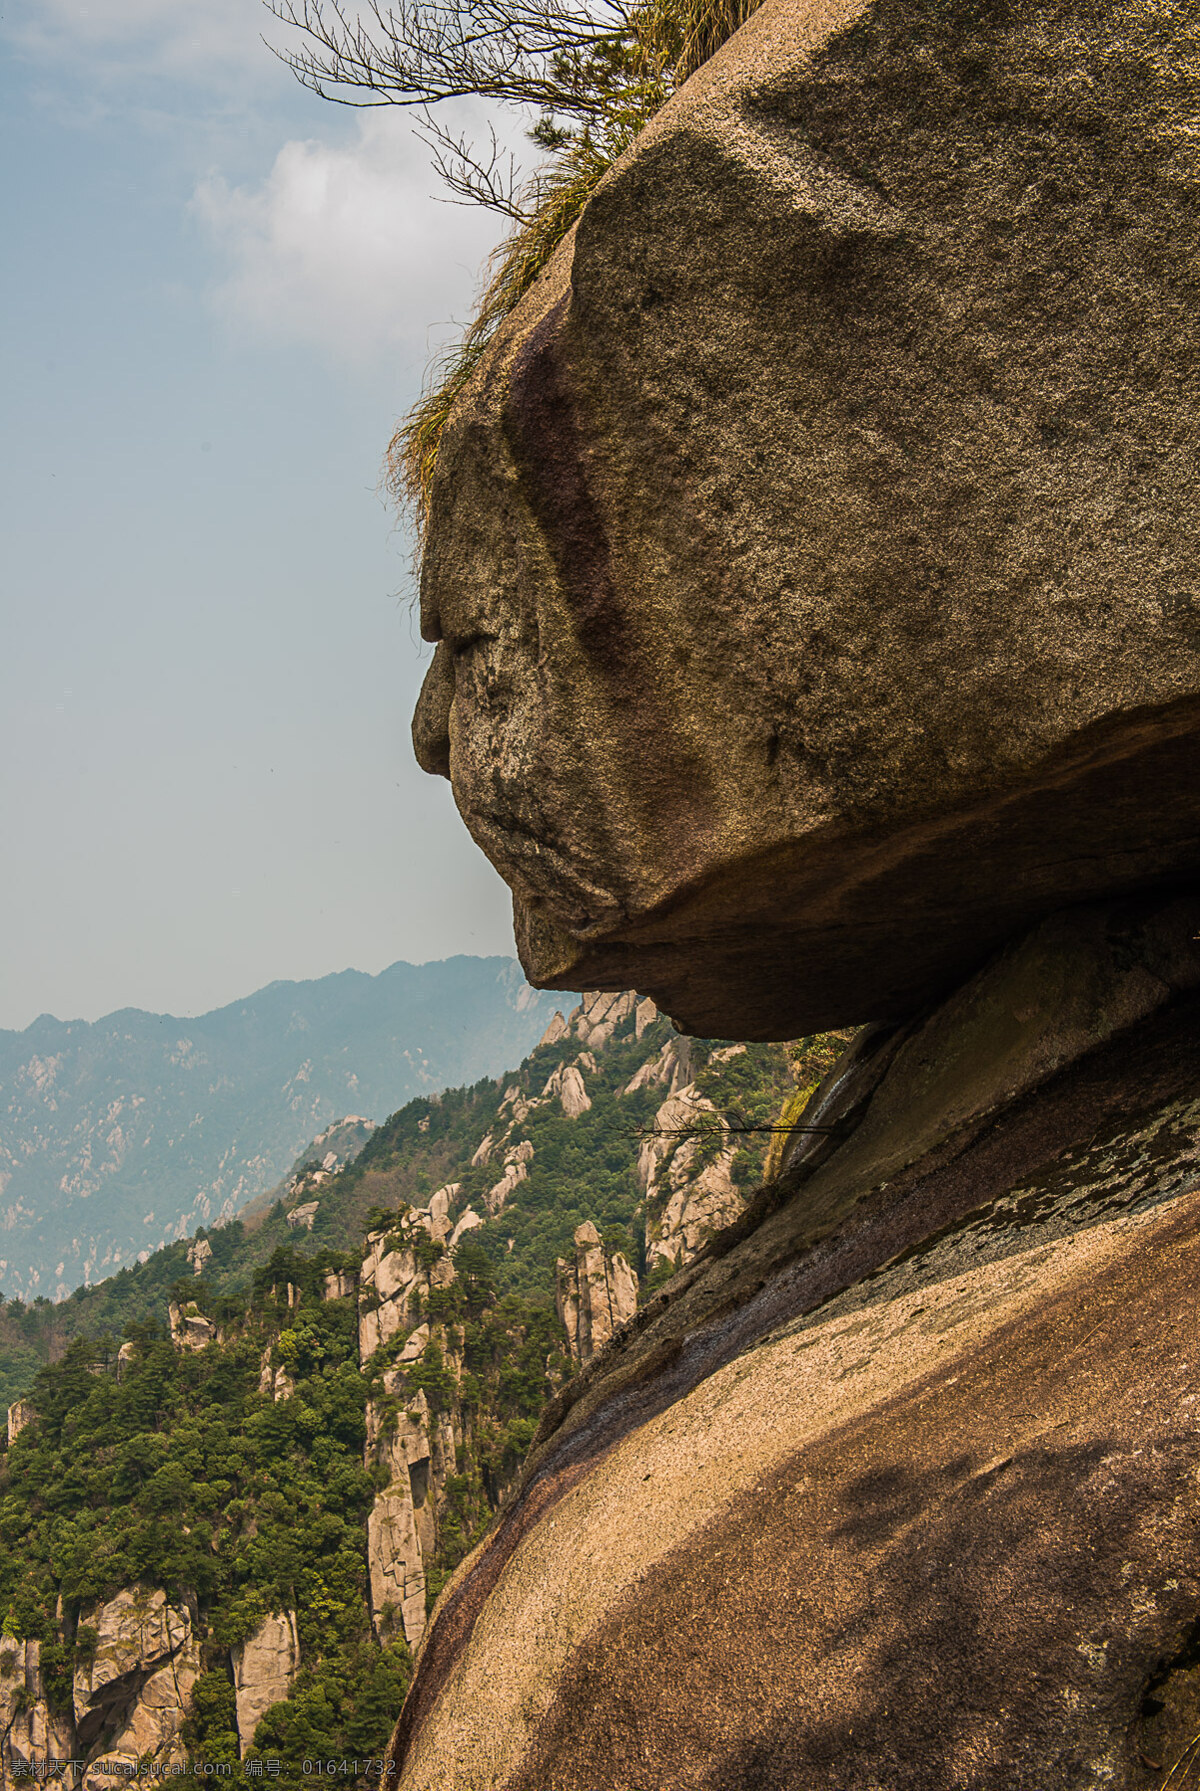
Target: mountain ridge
[(164, 1123)]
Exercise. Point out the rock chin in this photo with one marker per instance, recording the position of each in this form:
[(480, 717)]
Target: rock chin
[(813, 556)]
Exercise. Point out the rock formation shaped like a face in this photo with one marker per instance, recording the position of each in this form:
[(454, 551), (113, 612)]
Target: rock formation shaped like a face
[(813, 559)]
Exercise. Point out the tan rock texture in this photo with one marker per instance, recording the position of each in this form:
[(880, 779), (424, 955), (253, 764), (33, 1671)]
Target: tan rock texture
[(392, 1283), (19, 1415), (132, 1691), (29, 1730), (401, 1528), (813, 558), (190, 1330), (416, 1448), (684, 1165), (897, 1484), (136, 1630), (595, 1294), (263, 1670)]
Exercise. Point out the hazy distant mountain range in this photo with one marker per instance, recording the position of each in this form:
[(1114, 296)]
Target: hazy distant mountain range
[(122, 1134)]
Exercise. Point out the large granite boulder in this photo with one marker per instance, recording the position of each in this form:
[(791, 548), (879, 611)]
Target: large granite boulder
[(898, 1483), (813, 558)]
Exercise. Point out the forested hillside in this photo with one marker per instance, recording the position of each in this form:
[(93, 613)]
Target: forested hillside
[(121, 1135), (228, 1505)]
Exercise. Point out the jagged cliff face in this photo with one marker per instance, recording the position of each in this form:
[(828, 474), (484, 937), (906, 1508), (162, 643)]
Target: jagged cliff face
[(264, 1667), (399, 1367), (136, 1667), (29, 1729), (596, 1294), (133, 1687), (812, 560), (416, 1448)]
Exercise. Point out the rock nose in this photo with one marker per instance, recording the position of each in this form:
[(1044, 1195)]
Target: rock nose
[(431, 718)]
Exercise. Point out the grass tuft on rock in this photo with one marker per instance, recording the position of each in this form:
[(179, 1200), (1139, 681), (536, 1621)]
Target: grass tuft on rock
[(631, 79)]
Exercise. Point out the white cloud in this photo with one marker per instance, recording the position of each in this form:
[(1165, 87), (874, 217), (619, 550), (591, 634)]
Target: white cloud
[(191, 39), (345, 246)]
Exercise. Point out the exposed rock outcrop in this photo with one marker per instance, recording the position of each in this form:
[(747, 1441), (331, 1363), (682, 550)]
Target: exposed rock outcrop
[(672, 1068), (418, 1449), (469, 1221), (599, 1014), (401, 1529), (29, 1731), (569, 1088), (556, 1031), (436, 1215), (20, 1414), (391, 1284), (684, 1166), (688, 1155), (133, 1685), (190, 1329), (517, 1158), (645, 1014), (263, 1670), (813, 556), (595, 1295), (954, 1346), (415, 1445), (199, 1253)]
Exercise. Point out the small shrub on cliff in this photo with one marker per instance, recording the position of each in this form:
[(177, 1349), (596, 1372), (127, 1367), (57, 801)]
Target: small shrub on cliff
[(210, 1731), (592, 76)]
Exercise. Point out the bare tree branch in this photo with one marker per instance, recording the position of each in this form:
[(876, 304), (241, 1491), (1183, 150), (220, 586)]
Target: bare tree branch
[(477, 181), (538, 53)]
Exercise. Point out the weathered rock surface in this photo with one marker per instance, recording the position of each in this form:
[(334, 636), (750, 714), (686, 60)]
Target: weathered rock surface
[(29, 1730), (263, 1670), (20, 1414), (557, 1029), (568, 1085), (595, 1294), (900, 1478), (131, 1695), (415, 1446), (684, 1166), (401, 1529), (199, 1253), (133, 1686), (517, 1158), (392, 1283), (813, 558), (190, 1329), (135, 1631)]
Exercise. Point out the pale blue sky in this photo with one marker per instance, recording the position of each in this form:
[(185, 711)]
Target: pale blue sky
[(219, 292)]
